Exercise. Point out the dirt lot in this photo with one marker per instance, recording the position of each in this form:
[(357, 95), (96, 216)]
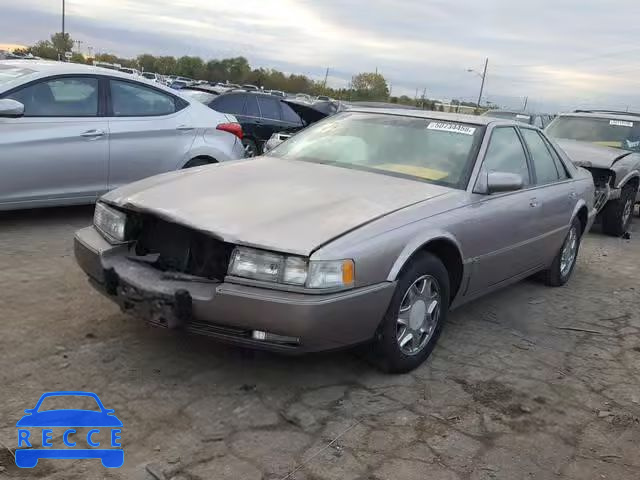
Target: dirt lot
[(529, 383)]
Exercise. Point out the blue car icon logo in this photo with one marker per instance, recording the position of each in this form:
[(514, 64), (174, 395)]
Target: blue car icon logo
[(69, 419)]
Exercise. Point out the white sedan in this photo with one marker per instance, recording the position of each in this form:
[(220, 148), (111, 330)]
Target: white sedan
[(69, 132)]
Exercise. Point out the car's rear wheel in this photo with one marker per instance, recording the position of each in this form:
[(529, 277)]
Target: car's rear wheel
[(564, 263), (618, 214), (413, 322), (250, 148)]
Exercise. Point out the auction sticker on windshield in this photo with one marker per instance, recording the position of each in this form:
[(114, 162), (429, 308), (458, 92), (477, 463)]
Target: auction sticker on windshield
[(451, 127), (620, 123)]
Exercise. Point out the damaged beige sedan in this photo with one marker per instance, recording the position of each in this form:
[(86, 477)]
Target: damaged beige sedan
[(366, 227)]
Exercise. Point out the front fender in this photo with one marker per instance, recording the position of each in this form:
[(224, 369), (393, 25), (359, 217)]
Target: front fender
[(416, 243)]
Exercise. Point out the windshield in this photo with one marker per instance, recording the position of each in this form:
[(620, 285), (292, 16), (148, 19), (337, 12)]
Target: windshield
[(601, 131), (149, 75), (204, 97), (418, 148), (9, 73)]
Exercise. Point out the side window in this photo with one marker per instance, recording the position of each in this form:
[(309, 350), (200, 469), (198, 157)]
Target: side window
[(60, 97), (133, 100), (506, 154), (251, 107), (545, 166), (269, 107), (233, 104), (560, 167), (537, 121), (288, 114)]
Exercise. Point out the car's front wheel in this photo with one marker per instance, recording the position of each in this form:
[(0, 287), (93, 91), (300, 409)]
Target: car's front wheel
[(617, 214), (565, 261), (414, 319)]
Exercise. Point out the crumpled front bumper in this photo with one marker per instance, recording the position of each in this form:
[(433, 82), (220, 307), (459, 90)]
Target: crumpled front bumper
[(231, 312)]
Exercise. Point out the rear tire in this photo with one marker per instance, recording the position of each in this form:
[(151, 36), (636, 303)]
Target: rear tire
[(250, 148), (618, 214), (564, 263), (418, 309)]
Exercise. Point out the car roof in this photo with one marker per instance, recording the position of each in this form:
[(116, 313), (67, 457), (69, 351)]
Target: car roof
[(449, 117), (50, 67), (608, 114)]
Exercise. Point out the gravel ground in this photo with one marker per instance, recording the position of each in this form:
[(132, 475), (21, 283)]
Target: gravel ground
[(528, 383)]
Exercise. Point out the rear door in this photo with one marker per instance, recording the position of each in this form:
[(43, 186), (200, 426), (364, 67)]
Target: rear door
[(58, 151), (271, 114), (554, 189), (150, 131), (505, 225)]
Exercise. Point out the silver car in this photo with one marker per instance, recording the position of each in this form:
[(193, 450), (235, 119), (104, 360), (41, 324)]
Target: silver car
[(69, 133), (367, 226)]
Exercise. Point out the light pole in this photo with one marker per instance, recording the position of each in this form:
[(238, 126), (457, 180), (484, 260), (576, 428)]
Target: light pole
[(63, 35), (483, 76)]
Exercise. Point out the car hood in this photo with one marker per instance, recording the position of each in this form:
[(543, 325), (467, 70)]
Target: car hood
[(271, 203), (585, 154), (311, 113)]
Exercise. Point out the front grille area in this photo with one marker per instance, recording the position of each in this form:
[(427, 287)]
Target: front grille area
[(182, 249)]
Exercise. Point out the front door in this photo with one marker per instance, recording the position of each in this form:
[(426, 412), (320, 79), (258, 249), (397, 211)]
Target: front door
[(58, 151), (505, 225)]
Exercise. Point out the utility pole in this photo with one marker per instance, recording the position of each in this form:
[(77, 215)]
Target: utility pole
[(63, 35), (484, 76), (526, 100), (424, 94), (326, 76)]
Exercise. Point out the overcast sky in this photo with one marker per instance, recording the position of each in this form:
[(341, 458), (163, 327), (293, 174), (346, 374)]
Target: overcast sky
[(560, 53)]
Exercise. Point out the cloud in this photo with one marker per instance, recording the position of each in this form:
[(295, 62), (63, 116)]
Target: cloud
[(559, 54)]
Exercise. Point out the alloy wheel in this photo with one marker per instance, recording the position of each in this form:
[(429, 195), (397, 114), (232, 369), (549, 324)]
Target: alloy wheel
[(569, 252), (418, 315)]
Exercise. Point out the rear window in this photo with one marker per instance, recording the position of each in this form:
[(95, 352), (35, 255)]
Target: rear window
[(233, 104), (518, 117), (9, 73), (609, 132), (203, 97), (424, 149)]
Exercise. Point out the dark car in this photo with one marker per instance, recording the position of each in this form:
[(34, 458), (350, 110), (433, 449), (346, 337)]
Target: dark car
[(260, 114), (540, 120)]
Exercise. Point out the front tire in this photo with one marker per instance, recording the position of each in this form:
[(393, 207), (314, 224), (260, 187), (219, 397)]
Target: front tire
[(413, 322), (564, 263), (618, 214), (197, 162)]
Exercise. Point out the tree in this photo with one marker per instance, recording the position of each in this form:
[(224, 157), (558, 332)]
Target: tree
[(77, 58), (370, 86), (62, 42), (192, 67), (165, 65), (147, 62), (44, 49), (106, 57)]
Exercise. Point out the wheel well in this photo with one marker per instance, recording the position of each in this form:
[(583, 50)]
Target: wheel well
[(449, 255), (583, 216), (635, 181), (207, 158)]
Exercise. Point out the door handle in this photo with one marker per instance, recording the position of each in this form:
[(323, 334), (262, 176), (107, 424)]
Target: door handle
[(184, 128), (533, 203), (92, 133)]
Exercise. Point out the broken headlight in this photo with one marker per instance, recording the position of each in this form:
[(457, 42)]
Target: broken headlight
[(291, 270), (110, 222)]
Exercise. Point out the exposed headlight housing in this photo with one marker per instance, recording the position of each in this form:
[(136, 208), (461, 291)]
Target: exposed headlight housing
[(291, 270), (110, 222)]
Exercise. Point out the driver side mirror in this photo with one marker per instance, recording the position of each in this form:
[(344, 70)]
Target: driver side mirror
[(498, 182), (11, 108)]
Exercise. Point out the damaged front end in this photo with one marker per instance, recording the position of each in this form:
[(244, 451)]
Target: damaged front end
[(603, 179)]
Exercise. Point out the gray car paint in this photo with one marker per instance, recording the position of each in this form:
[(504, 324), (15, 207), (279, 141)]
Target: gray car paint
[(498, 239)]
